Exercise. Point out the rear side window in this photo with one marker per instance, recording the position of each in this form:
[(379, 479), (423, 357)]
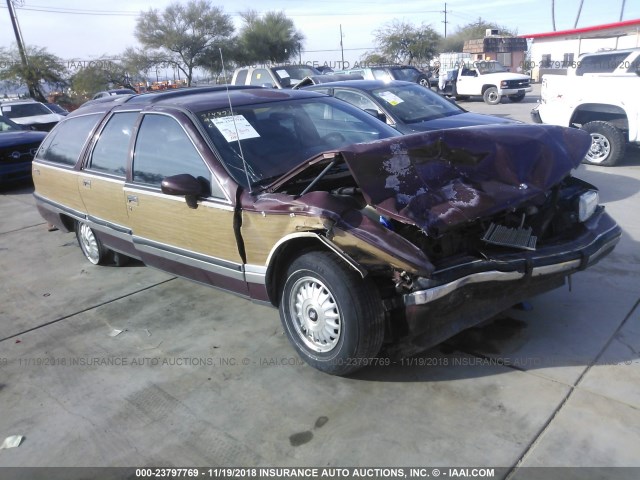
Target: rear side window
[(110, 152), (606, 63), (241, 78), (66, 141), (163, 149)]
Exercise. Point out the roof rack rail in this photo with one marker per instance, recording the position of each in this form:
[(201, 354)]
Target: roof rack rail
[(153, 97)]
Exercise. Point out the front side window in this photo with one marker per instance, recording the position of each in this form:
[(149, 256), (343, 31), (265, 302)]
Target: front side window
[(163, 149), (356, 99), (66, 141), (110, 152), (260, 77)]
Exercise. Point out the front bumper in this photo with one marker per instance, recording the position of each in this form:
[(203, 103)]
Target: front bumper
[(468, 293), (564, 258), (513, 91)]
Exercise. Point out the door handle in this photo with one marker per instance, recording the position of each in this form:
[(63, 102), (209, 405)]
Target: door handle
[(132, 199), (86, 182)]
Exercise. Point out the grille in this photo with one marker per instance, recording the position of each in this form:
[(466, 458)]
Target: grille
[(510, 237)]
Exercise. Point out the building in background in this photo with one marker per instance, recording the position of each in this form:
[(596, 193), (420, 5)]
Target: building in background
[(509, 51), (553, 52)]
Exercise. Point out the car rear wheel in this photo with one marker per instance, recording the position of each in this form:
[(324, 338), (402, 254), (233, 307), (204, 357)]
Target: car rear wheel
[(332, 316), (607, 144), (424, 81), (90, 245), (517, 97), (491, 96)]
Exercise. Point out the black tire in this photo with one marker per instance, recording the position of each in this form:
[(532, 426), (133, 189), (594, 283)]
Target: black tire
[(491, 96), (423, 80), (332, 316), (90, 245), (462, 97), (607, 144), (517, 97)]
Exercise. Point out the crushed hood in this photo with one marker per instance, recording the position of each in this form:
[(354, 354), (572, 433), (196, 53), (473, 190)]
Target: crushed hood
[(439, 179)]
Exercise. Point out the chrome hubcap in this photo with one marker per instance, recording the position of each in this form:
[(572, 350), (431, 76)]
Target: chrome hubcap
[(493, 96), (89, 244), (315, 314), (600, 148)]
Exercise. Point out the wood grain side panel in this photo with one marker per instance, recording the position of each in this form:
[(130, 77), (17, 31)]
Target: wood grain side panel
[(58, 185), (206, 230), (104, 199), (260, 233)]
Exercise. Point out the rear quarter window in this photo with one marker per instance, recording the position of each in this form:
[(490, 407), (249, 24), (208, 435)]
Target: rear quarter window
[(66, 141)]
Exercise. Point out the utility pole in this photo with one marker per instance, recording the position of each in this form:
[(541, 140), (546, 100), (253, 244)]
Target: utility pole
[(622, 11), (341, 48), (34, 91), (445, 20)]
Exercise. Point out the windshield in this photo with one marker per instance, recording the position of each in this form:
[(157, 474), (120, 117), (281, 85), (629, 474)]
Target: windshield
[(414, 103), (295, 72), (24, 110), (490, 67), (278, 136), (406, 74)]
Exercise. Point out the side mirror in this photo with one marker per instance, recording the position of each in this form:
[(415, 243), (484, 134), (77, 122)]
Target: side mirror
[(374, 113), (183, 185)]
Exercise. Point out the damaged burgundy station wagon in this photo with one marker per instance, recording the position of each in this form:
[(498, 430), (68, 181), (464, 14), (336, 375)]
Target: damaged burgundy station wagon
[(361, 237)]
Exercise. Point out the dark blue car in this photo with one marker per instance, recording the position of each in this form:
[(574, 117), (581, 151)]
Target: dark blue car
[(406, 106), (18, 145)]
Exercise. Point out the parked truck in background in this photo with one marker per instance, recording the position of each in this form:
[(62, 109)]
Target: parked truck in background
[(601, 95), (486, 78)]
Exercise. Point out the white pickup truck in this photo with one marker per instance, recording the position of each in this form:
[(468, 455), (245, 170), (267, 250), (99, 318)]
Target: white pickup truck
[(604, 103), (491, 80)]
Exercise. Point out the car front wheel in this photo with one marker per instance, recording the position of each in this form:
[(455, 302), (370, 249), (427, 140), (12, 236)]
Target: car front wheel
[(607, 144), (491, 96), (332, 316)]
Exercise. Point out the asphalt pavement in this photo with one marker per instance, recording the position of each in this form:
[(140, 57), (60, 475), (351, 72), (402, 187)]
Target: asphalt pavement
[(197, 377)]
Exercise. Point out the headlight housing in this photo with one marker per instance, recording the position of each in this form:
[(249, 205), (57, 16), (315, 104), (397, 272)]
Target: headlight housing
[(587, 205)]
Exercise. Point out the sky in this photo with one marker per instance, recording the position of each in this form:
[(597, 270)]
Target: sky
[(87, 30)]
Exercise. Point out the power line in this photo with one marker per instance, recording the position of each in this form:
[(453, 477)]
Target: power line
[(125, 13)]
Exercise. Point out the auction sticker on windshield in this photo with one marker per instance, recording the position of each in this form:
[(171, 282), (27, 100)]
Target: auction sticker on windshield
[(283, 73), (390, 98), (235, 128)]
